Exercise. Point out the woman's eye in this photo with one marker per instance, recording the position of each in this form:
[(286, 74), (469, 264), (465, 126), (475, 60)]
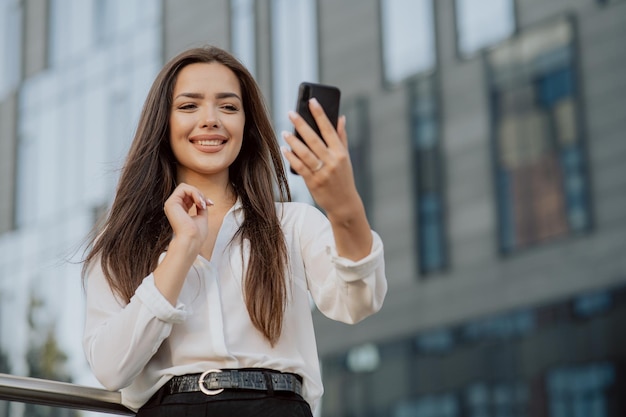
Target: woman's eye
[(230, 107), (188, 106)]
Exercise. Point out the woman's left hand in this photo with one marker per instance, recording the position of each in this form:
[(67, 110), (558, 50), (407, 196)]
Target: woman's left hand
[(327, 173), (325, 167)]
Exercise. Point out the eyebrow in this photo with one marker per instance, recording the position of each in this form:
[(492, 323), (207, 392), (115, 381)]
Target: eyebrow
[(218, 95)]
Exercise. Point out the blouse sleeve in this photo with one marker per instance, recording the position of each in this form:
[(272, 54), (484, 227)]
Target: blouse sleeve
[(342, 289), (119, 339)]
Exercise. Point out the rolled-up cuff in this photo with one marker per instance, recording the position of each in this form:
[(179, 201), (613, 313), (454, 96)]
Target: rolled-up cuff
[(157, 304), (350, 270)]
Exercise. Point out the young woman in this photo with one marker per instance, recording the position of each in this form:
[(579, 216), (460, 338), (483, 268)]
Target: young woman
[(198, 281)]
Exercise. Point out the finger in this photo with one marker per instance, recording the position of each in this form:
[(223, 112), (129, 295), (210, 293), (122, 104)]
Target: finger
[(309, 136), (341, 131), (201, 201), (190, 196), (329, 132), (311, 161), (294, 162)]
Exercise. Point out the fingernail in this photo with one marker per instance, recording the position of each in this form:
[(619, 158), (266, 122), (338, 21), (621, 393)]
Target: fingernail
[(209, 202), (314, 101), (292, 114), (284, 134)]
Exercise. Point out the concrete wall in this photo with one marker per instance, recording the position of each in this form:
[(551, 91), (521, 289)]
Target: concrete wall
[(8, 146), (190, 23), (35, 36)]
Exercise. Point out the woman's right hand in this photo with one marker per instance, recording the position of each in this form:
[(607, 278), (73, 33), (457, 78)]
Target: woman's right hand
[(186, 210)]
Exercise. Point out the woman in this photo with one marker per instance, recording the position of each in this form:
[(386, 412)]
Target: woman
[(198, 282)]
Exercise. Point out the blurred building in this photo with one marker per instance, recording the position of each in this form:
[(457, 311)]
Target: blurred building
[(487, 137)]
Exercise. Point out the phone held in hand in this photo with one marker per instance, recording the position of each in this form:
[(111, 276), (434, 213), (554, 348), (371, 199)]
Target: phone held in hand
[(327, 95)]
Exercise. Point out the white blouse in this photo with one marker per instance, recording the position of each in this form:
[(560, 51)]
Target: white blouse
[(137, 347)]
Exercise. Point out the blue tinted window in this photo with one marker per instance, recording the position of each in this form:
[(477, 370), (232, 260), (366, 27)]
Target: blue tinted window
[(430, 207), (580, 390), (541, 171)]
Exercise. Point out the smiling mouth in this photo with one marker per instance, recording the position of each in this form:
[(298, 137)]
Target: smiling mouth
[(211, 142)]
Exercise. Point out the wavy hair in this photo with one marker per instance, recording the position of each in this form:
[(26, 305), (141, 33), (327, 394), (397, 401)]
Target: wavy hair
[(136, 231)]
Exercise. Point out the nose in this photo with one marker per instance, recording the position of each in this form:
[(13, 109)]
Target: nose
[(211, 119)]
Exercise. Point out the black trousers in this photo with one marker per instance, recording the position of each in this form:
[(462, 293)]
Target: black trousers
[(229, 403)]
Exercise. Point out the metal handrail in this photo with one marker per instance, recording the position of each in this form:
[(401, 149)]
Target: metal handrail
[(60, 394)]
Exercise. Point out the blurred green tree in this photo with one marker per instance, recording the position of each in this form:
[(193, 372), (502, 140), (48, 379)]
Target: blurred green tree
[(45, 359)]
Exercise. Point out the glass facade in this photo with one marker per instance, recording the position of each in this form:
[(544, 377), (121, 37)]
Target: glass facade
[(75, 122), (408, 38), (540, 159), (554, 360), (483, 23)]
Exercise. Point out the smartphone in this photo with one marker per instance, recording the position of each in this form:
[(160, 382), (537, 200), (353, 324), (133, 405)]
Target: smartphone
[(327, 95)]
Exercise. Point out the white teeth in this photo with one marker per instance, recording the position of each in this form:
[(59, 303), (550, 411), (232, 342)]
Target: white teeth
[(212, 142)]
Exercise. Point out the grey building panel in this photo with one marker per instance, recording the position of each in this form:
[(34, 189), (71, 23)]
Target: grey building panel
[(350, 57), (190, 23), (8, 152), (533, 11), (264, 50), (470, 221), (610, 203), (474, 251), (471, 172), (445, 36), (35, 36)]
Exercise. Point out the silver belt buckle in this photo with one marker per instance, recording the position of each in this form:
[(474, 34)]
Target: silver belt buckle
[(201, 383)]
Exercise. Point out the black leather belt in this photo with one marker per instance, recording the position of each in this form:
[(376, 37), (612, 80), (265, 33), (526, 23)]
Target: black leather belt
[(214, 381)]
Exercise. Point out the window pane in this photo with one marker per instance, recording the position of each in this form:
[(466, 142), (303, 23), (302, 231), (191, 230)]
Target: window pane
[(481, 23), (294, 53), (581, 390), (294, 59), (102, 94), (408, 38), (104, 13), (242, 35), (427, 175), (542, 184)]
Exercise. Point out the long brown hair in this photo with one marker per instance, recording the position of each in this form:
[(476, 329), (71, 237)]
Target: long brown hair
[(136, 231)]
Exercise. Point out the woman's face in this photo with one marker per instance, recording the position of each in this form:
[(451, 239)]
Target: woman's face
[(206, 120)]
